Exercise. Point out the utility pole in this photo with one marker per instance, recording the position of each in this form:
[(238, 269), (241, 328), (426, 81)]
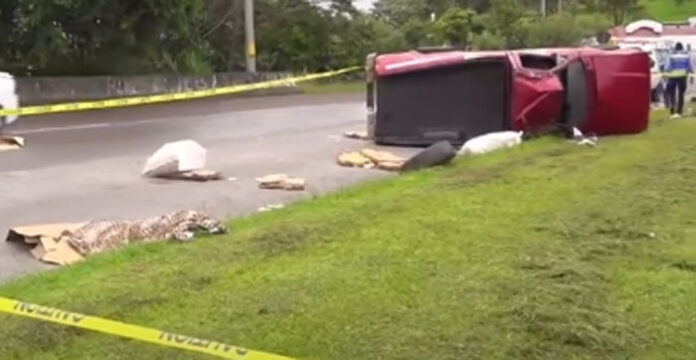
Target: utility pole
[(250, 41), (560, 6), (543, 8)]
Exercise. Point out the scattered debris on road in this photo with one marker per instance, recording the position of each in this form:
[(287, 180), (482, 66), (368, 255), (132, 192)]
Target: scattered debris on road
[(195, 175), (491, 142), (378, 157), (390, 165), (354, 159), (180, 160), (358, 135), (282, 182), (369, 158), (440, 153), (8, 143), (270, 207), (63, 244)]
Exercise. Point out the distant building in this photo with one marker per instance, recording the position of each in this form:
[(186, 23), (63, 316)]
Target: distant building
[(650, 34), (658, 39)]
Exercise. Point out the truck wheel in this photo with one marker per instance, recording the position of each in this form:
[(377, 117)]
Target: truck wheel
[(439, 153)]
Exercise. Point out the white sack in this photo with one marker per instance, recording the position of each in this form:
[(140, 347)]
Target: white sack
[(490, 142), (174, 157)]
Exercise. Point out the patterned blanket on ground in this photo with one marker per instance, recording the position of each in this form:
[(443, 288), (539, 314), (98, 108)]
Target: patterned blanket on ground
[(100, 236)]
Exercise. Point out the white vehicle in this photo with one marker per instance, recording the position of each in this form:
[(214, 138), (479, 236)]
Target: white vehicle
[(8, 98)]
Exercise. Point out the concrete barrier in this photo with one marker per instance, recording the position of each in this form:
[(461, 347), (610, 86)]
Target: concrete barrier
[(51, 90)]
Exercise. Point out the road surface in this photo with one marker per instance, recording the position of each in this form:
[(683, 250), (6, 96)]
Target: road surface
[(84, 166)]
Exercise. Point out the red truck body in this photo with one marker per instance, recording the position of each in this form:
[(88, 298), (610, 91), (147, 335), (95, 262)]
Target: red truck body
[(419, 98)]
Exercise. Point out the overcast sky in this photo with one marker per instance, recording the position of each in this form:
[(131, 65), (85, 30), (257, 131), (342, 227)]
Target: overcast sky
[(364, 4)]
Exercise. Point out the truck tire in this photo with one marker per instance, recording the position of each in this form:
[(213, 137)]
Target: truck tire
[(439, 153)]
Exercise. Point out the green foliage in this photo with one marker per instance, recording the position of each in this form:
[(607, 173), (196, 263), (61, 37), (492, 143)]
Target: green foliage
[(563, 29), (106, 37), (619, 11), (86, 37), (507, 18), (488, 40), (456, 26)]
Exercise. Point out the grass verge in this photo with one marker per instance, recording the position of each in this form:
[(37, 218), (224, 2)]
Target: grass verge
[(546, 251), (333, 87)]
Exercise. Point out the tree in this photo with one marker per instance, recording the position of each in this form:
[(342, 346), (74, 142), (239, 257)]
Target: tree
[(111, 37), (456, 26), (488, 40), (507, 18), (618, 10)]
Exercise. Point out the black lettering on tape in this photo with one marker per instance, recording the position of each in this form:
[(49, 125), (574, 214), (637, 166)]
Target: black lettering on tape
[(47, 312), (77, 318), (242, 352), (180, 339), (198, 343)]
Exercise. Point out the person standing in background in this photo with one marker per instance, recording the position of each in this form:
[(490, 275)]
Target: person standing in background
[(677, 71)]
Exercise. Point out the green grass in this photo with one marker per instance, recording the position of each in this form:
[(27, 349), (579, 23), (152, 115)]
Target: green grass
[(668, 10), (545, 251), (334, 87)]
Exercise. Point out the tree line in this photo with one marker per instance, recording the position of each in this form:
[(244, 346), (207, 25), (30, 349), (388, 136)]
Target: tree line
[(96, 37)]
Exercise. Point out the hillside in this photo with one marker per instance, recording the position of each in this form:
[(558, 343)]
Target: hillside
[(668, 10)]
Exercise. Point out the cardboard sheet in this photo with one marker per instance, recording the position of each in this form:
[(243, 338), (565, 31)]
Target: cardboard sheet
[(381, 156), (282, 182), (353, 159), (8, 143), (195, 175), (46, 242), (368, 158)]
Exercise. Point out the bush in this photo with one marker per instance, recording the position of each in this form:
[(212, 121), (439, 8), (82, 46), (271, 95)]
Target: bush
[(488, 40)]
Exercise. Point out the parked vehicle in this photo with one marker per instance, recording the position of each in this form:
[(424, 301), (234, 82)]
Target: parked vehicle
[(8, 97), (420, 98)]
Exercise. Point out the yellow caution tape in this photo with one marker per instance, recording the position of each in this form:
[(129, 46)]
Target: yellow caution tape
[(161, 98), (135, 332)]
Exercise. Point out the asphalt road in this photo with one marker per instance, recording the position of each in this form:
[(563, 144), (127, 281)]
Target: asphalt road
[(86, 166)]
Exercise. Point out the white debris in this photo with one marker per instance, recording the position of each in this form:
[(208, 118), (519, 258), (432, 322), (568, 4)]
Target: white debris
[(282, 182), (175, 157), (577, 134), (271, 207), (490, 142), (583, 140), (586, 142)]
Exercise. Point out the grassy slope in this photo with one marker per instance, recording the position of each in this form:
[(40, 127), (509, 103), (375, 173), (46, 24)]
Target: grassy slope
[(545, 251), (668, 10)]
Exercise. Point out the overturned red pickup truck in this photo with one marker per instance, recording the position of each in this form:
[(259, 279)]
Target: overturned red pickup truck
[(417, 98)]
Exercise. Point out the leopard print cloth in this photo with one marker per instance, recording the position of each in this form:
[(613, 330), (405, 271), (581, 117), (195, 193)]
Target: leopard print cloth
[(100, 236)]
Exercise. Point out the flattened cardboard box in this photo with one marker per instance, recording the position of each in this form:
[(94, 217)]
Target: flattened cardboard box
[(8, 143), (46, 242)]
